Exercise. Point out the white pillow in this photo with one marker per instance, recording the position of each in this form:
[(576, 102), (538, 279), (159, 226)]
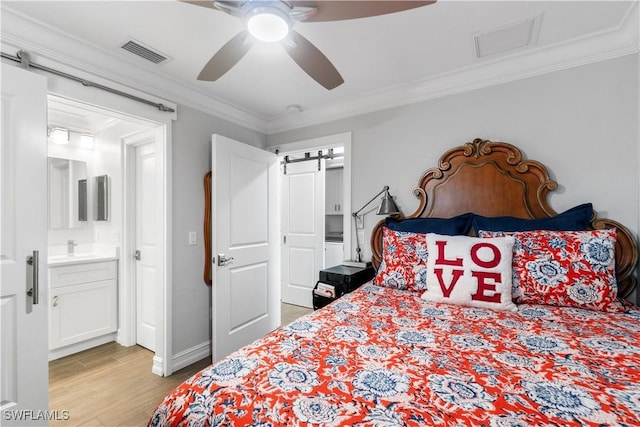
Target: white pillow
[(470, 271)]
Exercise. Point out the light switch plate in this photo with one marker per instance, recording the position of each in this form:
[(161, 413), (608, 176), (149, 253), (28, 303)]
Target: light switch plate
[(193, 238)]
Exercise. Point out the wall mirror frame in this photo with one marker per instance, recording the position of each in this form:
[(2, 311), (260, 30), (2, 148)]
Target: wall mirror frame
[(101, 198), (68, 193)]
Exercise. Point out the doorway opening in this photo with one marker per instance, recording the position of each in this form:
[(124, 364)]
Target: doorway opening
[(315, 183), (115, 189)]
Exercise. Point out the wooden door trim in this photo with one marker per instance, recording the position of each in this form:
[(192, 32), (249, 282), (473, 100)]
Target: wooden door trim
[(207, 229)]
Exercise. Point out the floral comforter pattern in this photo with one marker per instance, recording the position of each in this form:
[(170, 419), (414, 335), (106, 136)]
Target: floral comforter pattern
[(384, 357)]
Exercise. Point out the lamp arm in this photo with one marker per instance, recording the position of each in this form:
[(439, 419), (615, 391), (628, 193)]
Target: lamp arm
[(386, 187), (355, 222), (358, 250)]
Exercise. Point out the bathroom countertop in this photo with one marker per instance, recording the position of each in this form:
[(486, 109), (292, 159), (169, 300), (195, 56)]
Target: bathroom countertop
[(54, 261)]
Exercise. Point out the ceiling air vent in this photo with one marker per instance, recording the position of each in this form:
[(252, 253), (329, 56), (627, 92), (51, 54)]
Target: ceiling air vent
[(509, 38), (144, 52)]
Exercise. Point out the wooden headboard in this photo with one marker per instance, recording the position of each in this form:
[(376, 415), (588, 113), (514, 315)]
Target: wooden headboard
[(491, 179)]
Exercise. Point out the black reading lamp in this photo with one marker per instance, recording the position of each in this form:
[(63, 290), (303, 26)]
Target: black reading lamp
[(387, 207)]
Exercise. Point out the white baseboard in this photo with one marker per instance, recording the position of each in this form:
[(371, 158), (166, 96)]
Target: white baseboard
[(191, 355), (81, 346), (156, 367)]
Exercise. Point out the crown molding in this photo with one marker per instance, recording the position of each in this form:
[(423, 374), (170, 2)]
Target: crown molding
[(101, 65), (616, 42), (21, 32)]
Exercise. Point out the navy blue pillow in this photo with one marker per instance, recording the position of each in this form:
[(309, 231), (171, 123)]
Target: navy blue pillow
[(457, 225), (574, 219)]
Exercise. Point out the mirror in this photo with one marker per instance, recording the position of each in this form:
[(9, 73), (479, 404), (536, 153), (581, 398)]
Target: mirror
[(102, 198), (67, 193)]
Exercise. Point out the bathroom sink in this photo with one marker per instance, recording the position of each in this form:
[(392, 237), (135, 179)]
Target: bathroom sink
[(77, 258)]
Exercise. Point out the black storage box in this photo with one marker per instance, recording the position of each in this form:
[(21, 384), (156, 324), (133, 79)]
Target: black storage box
[(320, 301), (347, 277), (344, 279)]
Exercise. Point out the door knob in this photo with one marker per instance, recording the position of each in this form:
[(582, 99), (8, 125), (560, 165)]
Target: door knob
[(136, 255), (223, 260)]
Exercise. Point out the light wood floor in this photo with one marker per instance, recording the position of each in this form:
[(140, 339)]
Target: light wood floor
[(110, 385), (289, 313), (113, 385)]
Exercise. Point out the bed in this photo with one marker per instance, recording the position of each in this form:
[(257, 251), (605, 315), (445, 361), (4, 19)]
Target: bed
[(488, 309)]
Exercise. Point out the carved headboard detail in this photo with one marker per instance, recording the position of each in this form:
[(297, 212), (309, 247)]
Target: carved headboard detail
[(492, 179)]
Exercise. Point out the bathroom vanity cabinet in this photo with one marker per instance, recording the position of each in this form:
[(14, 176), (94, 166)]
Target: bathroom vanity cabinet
[(82, 306)]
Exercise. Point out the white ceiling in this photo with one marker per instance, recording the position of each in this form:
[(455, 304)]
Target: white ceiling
[(78, 118), (385, 61)]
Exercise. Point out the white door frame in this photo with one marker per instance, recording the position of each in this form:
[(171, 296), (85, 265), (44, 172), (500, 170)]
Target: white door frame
[(131, 110), (127, 333), (331, 141)]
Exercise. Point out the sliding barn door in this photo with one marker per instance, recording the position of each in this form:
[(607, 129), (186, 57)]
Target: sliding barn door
[(24, 375), (303, 194)]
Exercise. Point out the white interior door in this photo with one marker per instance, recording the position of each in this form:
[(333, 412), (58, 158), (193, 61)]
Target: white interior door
[(303, 193), (244, 205), (147, 286), (23, 226)]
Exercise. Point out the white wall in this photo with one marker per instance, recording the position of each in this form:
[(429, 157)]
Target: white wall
[(107, 160), (191, 161), (581, 123)]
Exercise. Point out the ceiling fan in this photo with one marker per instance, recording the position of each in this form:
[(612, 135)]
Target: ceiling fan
[(273, 21)]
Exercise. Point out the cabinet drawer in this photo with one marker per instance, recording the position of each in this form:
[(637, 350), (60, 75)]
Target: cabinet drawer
[(82, 273), (80, 312)]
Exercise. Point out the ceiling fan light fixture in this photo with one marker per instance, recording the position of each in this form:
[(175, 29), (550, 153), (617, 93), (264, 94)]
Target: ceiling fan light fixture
[(268, 23)]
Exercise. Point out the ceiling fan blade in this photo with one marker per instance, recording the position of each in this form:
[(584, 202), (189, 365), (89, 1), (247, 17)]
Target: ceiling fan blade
[(226, 57), (233, 8), (208, 4), (312, 61), (337, 10)]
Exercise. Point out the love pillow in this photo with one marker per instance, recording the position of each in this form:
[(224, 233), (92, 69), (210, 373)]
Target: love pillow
[(470, 271)]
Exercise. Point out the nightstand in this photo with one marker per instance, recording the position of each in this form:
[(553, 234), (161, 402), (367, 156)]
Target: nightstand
[(337, 281)]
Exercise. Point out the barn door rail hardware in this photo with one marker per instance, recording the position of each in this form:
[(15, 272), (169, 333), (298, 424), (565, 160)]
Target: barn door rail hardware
[(22, 57), (307, 157)]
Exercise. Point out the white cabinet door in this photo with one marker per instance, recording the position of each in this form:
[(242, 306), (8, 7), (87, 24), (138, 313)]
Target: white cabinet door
[(82, 302), (333, 254), (338, 189), (81, 312), (333, 197)]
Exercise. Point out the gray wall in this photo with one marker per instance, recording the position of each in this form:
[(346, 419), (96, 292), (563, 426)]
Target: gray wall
[(191, 161), (581, 123)]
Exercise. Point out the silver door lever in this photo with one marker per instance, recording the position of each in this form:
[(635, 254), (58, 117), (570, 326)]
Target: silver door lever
[(223, 260)]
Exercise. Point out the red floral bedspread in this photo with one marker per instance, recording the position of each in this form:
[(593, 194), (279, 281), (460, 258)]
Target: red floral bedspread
[(384, 357)]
